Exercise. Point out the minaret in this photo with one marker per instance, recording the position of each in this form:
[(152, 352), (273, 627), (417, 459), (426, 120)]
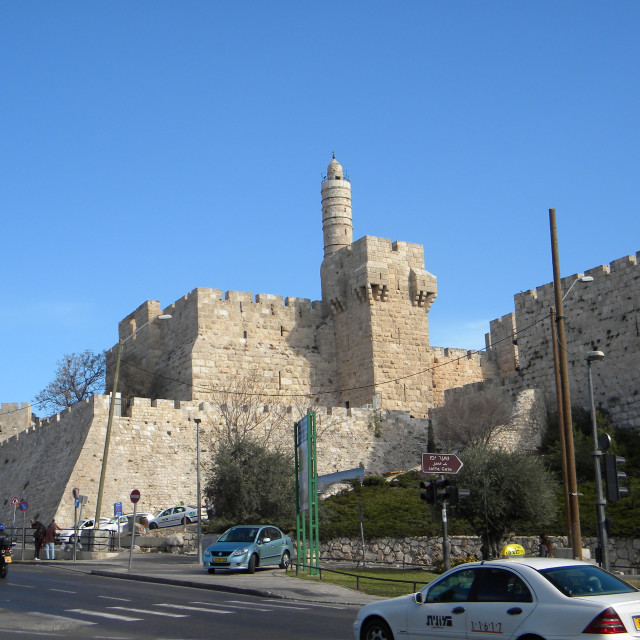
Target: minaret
[(337, 224)]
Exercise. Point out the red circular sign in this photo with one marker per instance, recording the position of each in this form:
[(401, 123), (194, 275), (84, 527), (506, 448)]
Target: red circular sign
[(135, 495)]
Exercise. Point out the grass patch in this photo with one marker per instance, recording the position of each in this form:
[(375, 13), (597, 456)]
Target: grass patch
[(414, 579)]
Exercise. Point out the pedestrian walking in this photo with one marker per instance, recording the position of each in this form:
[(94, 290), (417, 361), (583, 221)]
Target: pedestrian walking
[(50, 540), (545, 547), (38, 538)]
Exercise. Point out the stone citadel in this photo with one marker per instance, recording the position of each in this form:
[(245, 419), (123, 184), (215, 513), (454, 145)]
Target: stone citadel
[(360, 357)]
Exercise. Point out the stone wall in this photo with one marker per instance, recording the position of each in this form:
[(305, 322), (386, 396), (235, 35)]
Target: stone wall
[(427, 551), (152, 449), (14, 417), (602, 315)]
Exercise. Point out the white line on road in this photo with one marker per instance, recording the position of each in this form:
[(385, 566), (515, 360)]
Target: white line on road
[(114, 598), (187, 608), (102, 614), (62, 590), (51, 616), (244, 607), (153, 613), (276, 606)]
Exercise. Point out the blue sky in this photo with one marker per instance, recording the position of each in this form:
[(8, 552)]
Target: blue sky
[(149, 148)]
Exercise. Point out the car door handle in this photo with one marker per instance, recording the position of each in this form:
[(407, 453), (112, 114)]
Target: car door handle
[(515, 611), (457, 610)]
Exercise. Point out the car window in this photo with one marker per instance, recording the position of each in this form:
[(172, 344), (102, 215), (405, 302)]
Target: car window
[(585, 581), (500, 585), (453, 588), (239, 534), (274, 533), (179, 509), (166, 512)]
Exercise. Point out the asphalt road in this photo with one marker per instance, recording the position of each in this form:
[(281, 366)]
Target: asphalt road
[(38, 601)]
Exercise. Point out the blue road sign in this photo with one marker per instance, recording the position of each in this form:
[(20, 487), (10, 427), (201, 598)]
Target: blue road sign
[(117, 509)]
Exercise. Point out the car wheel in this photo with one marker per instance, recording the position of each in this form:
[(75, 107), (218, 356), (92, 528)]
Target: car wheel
[(211, 570), (153, 525), (376, 629), (252, 565), (286, 560), (186, 520)]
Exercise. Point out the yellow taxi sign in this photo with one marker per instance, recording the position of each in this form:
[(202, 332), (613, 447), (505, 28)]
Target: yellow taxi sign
[(512, 550)]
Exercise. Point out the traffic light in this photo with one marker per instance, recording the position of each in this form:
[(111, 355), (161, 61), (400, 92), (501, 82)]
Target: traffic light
[(613, 477), (455, 493), (442, 490), (429, 493)]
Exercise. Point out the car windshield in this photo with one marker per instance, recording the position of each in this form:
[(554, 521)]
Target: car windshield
[(239, 534), (575, 581)]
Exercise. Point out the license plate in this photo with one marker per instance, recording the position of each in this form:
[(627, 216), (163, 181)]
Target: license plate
[(636, 622), (219, 559), (7, 559)]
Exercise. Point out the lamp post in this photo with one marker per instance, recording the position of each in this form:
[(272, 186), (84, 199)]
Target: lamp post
[(112, 406), (197, 421), (580, 279), (595, 356)]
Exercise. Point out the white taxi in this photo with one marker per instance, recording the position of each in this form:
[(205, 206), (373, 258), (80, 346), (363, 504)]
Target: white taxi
[(541, 598), (174, 516)]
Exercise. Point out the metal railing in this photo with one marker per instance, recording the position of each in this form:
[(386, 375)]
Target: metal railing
[(358, 577)]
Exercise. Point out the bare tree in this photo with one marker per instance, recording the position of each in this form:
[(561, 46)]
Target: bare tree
[(473, 418), (243, 410), (78, 376)]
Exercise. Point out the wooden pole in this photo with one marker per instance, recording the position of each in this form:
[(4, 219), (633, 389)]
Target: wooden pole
[(576, 538)]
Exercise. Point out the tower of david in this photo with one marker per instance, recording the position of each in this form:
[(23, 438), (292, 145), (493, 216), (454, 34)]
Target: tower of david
[(360, 357)]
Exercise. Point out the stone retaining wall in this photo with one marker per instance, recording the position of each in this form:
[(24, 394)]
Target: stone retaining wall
[(624, 553)]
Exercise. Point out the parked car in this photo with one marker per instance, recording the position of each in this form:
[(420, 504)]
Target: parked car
[(123, 522), (247, 547), (521, 597), (174, 516), (66, 535)]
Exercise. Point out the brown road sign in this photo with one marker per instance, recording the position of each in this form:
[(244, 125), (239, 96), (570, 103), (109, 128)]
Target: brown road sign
[(441, 463)]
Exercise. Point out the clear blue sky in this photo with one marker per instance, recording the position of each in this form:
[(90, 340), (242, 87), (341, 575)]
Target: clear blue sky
[(149, 148)]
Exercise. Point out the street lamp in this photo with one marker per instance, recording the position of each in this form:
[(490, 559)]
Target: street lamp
[(112, 406), (580, 279), (595, 356), (197, 421)]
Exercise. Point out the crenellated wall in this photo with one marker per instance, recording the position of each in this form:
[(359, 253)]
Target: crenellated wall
[(602, 315), (152, 449), (14, 417)]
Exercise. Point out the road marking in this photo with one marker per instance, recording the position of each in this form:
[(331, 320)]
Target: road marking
[(188, 608), (102, 614), (245, 607), (51, 616), (153, 613), (114, 598), (62, 590)]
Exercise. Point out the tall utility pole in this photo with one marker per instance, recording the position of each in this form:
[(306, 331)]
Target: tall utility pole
[(563, 444), (576, 538)]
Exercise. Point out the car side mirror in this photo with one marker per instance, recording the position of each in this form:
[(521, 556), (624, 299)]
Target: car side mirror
[(265, 540), (418, 598)]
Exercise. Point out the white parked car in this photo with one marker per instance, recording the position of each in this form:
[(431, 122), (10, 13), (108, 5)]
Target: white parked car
[(174, 516), (66, 535), (514, 598)]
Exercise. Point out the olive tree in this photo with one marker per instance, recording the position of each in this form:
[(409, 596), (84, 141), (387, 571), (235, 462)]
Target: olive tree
[(508, 490), (250, 483)]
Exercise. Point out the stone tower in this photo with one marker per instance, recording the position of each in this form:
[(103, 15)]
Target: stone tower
[(337, 226), (379, 295)]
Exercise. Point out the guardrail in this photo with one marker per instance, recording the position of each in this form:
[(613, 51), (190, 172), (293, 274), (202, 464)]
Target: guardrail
[(358, 577)]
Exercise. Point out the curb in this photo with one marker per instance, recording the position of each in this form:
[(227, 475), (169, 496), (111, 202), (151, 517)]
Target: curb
[(187, 583)]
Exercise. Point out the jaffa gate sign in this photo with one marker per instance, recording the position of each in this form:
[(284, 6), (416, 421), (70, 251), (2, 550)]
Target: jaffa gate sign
[(441, 463)]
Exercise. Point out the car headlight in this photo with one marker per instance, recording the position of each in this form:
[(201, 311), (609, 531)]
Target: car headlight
[(240, 552)]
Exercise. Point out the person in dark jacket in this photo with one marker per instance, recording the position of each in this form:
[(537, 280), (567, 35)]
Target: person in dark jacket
[(38, 538), (50, 540)]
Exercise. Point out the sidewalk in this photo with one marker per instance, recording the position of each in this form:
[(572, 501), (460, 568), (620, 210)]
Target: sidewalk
[(183, 571)]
